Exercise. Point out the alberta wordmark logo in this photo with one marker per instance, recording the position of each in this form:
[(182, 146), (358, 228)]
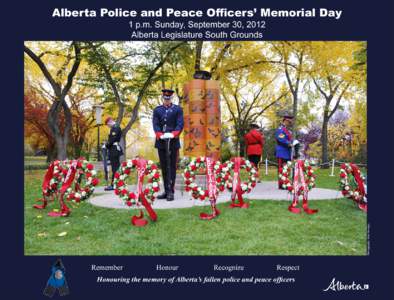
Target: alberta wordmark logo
[(337, 286)]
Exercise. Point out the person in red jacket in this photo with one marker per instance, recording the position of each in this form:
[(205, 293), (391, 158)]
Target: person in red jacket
[(254, 141)]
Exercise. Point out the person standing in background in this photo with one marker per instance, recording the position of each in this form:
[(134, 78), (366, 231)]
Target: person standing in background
[(284, 143), (114, 149), (254, 141)]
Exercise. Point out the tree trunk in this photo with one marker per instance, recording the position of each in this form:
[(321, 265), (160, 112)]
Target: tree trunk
[(68, 123), (54, 128), (197, 65), (51, 153), (61, 138), (324, 142), (295, 111), (241, 147), (241, 142), (60, 148)]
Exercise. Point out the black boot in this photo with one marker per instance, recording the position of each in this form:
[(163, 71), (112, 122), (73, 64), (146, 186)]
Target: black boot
[(162, 196), (170, 197)]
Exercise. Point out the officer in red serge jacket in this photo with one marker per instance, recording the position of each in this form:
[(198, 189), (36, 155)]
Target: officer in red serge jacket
[(284, 140), (254, 141), (168, 122)]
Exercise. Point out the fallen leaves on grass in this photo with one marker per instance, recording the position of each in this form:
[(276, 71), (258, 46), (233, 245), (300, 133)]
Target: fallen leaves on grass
[(64, 233)]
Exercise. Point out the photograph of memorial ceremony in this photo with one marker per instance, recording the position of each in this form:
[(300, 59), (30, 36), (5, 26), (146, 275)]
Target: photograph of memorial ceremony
[(195, 148)]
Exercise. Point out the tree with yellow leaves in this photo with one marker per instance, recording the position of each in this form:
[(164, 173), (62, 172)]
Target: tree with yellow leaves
[(330, 65)]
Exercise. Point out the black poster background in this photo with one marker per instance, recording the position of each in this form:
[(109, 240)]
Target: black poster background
[(24, 277)]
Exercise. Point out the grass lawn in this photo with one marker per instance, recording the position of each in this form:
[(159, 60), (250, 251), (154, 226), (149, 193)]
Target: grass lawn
[(266, 228), (35, 162)]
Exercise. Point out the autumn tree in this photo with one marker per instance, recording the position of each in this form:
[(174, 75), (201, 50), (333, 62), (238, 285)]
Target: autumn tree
[(60, 79), (36, 128), (291, 58), (79, 100), (358, 124), (247, 101), (332, 74), (126, 74)]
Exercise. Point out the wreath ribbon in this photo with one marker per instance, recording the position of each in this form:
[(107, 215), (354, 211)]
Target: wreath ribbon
[(357, 177), (299, 182), (236, 179), (45, 185), (69, 177), (212, 189), (48, 176), (138, 220), (237, 191), (65, 211), (141, 167)]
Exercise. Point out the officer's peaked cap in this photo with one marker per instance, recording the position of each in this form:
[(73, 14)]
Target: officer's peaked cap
[(285, 115), (167, 91)]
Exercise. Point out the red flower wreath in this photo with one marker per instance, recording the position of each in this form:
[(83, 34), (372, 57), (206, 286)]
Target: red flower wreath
[(253, 175), (124, 171), (189, 176), (86, 171), (357, 193), (285, 172)]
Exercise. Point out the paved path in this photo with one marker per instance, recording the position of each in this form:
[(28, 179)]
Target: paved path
[(262, 191)]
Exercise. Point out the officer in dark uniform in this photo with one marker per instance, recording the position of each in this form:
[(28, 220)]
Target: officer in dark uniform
[(284, 143), (114, 149), (168, 125)]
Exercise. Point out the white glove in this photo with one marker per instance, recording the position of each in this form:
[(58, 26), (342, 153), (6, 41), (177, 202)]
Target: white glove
[(167, 135), (295, 142)]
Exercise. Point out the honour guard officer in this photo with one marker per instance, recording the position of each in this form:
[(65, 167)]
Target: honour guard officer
[(284, 142), (114, 149), (168, 124)]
